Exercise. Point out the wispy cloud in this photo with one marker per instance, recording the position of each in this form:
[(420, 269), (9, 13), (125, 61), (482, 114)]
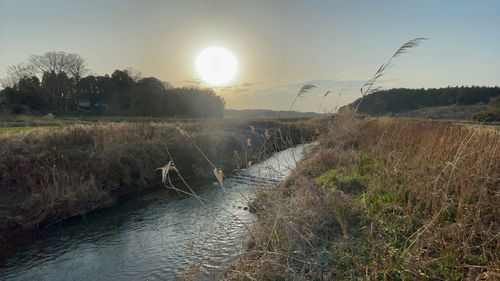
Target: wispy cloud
[(276, 97), (237, 88), (322, 85), (242, 90), (192, 82)]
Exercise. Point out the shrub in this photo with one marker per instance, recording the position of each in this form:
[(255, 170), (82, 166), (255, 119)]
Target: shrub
[(487, 116)]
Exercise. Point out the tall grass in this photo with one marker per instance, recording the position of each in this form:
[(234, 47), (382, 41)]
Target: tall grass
[(438, 194), (48, 175), (397, 199)]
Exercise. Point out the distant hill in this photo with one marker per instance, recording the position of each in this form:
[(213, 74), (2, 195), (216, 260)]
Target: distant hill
[(397, 101), (264, 113), (448, 112)]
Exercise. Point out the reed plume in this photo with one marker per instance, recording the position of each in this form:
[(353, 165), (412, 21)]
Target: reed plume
[(306, 88), (220, 177), (323, 100), (367, 88), (164, 171)]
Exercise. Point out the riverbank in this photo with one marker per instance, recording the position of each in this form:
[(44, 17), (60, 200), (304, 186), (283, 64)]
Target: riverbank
[(390, 199), (49, 175), (157, 236)]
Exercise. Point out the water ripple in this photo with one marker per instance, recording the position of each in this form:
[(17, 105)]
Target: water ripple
[(153, 237)]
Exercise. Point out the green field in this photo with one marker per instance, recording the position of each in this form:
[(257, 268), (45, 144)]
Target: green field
[(26, 128)]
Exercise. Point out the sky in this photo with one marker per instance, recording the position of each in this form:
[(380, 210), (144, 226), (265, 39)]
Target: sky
[(279, 45)]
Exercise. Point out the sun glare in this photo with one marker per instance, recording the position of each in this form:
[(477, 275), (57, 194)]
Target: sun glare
[(216, 66)]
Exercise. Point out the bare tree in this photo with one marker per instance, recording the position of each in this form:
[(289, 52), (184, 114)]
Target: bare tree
[(49, 62), (7, 82), (76, 66), (21, 70), (57, 62)]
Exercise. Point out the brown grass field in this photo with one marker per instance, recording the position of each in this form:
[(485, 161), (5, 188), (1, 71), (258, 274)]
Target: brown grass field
[(383, 199), (48, 175)]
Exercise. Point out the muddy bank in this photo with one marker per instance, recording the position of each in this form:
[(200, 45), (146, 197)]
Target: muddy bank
[(49, 175)]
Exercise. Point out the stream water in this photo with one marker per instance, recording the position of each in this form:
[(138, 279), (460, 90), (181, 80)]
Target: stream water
[(154, 236)]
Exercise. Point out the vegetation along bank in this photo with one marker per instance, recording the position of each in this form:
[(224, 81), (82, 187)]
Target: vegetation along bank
[(383, 199), (47, 175)]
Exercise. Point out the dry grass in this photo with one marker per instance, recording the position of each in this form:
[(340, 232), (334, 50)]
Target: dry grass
[(394, 199), (49, 175), (443, 187)]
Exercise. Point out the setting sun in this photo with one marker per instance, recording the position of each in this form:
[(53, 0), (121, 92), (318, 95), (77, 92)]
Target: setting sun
[(216, 66)]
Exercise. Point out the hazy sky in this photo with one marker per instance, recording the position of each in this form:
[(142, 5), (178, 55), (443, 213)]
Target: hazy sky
[(279, 45)]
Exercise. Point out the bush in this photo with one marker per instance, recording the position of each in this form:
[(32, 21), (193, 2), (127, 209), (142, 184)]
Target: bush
[(487, 115)]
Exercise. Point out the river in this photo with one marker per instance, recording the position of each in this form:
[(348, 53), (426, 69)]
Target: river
[(154, 236)]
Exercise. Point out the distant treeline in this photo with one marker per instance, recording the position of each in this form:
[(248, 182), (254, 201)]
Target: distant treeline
[(55, 82), (401, 100)]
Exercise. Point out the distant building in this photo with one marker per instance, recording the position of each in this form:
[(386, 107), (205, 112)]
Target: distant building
[(85, 105)]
